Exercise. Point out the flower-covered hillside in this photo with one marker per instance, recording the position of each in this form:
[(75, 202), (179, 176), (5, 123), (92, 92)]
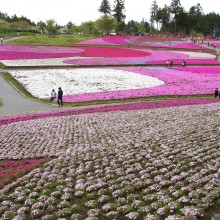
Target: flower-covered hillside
[(151, 164)]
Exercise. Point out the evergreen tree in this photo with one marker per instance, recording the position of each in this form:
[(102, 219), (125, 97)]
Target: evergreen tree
[(175, 8), (119, 10), (153, 12), (105, 7)]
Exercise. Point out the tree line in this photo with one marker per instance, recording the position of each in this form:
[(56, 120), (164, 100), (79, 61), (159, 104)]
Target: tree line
[(174, 18), (169, 19)]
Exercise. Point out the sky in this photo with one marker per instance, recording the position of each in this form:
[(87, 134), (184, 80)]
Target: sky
[(78, 11)]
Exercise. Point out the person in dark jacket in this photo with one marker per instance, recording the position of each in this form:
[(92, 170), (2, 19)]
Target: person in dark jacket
[(216, 92), (60, 97)]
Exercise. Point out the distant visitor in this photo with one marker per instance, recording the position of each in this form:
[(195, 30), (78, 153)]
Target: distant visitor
[(216, 93), (53, 95), (184, 63), (60, 97), (171, 63)]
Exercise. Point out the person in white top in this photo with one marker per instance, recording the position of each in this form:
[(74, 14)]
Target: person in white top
[(53, 95)]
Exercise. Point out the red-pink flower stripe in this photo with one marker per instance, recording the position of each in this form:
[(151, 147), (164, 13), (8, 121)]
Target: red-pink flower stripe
[(115, 107), (10, 170)]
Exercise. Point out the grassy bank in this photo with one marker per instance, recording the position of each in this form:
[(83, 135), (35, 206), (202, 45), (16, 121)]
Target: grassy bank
[(59, 40)]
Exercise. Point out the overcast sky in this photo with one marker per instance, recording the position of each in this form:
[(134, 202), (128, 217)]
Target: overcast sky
[(78, 11)]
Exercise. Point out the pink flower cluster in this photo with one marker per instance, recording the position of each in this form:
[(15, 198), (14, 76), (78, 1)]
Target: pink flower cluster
[(10, 170)]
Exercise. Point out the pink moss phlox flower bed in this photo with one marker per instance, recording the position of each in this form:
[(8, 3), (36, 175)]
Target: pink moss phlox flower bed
[(188, 61), (111, 108), (202, 70), (117, 57), (212, 41), (156, 42), (113, 52), (180, 45), (10, 170), (13, 52), (111, 40), (97, 41), (120, 40), (166, 42)]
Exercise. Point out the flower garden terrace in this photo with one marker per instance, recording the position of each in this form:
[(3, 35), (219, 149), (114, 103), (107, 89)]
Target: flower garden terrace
[(120, 164)]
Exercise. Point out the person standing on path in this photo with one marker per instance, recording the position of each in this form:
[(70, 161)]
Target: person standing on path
[(53, 95), (60, 97), (171, 63), (216, 92)]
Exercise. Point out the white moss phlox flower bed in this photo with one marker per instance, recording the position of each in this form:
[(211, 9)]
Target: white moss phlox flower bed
[(81, 81)]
